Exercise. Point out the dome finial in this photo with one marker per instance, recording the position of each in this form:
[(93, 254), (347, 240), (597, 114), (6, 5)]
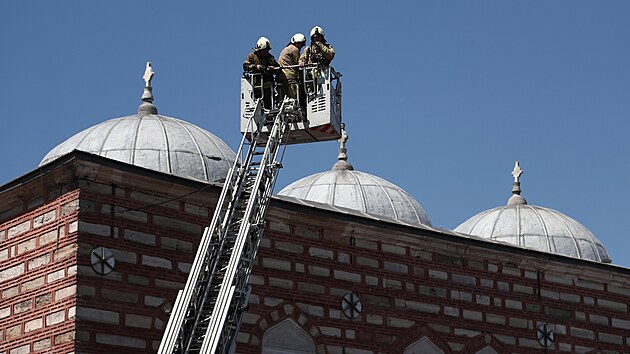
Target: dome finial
[(342, 143), (343, 163), (516, 197), (517, 172), (147, 106), (148, 75)]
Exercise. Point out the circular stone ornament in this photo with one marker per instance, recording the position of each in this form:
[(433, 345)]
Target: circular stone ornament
[(103, 260), (544, 333), (351, 305)]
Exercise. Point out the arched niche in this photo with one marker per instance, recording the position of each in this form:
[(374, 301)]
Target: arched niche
[(423, 346), (287, 337)]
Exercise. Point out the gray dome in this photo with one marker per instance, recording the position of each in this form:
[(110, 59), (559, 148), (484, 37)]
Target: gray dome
[(155, 142), (535, 227), (344, 187), (538, 228)]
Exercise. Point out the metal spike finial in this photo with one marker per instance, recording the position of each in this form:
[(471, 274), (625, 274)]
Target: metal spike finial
[(516, 197), (147, 106), (343, 163)]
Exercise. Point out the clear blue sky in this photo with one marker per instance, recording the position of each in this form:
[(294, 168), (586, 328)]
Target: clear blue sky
[(440, 97)]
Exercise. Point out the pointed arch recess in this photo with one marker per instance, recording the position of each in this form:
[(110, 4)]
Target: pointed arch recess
[(416, 333), (287, 337), (278, 314), (482, 341)]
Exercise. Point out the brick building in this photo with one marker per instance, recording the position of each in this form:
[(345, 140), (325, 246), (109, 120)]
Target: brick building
[(94, 246)]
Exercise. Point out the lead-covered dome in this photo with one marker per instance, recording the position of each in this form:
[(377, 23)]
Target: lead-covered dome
[(535, 227), (155, 142), (345, 187)]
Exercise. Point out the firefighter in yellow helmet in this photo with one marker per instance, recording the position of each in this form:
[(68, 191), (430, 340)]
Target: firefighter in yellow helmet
[(262, 61), (319, 51)]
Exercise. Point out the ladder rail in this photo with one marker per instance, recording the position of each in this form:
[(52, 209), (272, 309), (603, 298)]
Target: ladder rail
[(237, 184), (203, 259), (177, 317), (211, 258), (219, 336), (247, 185), (204, 253)]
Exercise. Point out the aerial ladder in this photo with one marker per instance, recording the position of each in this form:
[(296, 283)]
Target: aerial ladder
[(207, 313)]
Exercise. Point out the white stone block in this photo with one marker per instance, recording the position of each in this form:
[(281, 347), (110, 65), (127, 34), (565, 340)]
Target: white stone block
[(98, 315), (11, 272)]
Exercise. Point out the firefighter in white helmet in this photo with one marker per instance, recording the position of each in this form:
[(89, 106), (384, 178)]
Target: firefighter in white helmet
[(319, 51), (262, 61), (289, 59)]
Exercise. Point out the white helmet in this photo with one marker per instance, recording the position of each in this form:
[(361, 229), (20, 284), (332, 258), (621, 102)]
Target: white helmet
[(263, 43), (298, 38), (316, 30)]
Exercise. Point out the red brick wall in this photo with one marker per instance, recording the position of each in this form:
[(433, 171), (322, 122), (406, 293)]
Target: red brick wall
[(154, 245), (52, 299), (462, 297), (38, 278)]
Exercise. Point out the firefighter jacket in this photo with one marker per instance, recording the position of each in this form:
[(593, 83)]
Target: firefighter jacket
[(255, 58), (318, 53), (290, 55)]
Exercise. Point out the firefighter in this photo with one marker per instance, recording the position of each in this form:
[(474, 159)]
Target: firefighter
[(319, 51), (291, 74), (262, 61)]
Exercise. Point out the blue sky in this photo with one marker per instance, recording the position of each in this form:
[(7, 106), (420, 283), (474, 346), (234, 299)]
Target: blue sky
[(440, 97)]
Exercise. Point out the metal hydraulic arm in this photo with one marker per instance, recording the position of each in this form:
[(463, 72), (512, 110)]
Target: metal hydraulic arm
[(207, 313)]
